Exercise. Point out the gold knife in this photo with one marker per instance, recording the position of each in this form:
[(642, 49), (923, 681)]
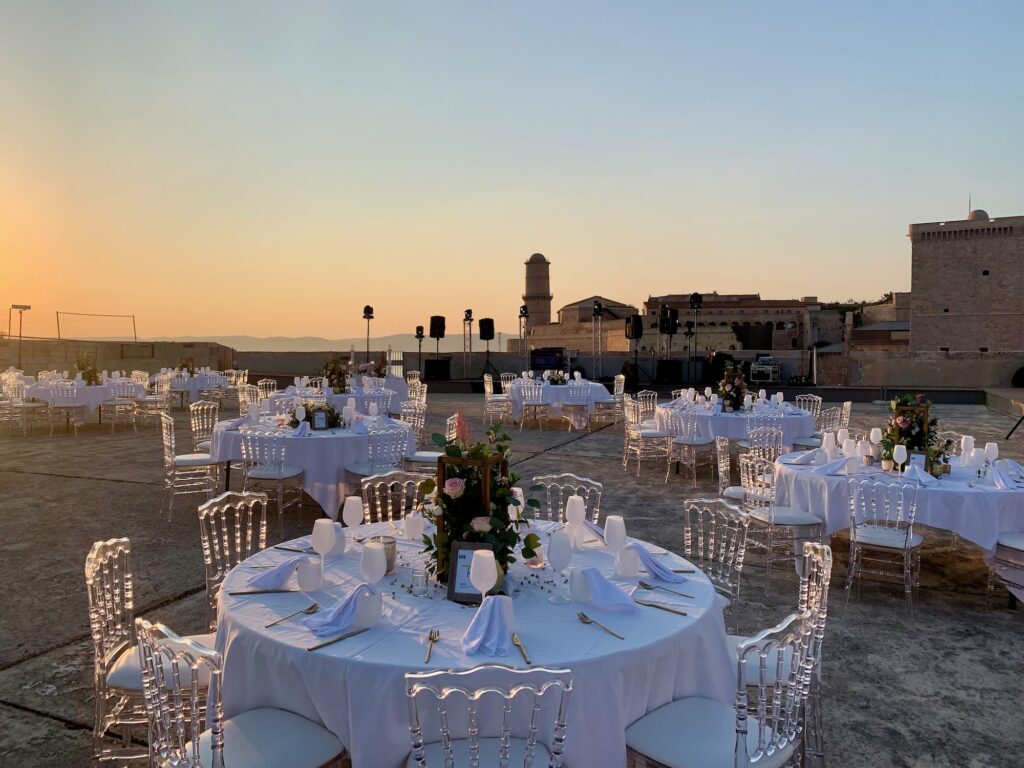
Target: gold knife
[(522, 648), (332, 641), (263, 592), (659, 606)]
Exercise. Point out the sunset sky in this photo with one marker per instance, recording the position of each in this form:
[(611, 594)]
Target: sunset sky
[(267, 168)]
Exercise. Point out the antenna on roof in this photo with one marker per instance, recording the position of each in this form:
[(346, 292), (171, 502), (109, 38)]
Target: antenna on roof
[(968, 202)]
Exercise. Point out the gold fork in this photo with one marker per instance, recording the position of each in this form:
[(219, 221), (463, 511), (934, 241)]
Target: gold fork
[(308, 611), (432, 637), (587, 620), (522, 648), (644, 585)]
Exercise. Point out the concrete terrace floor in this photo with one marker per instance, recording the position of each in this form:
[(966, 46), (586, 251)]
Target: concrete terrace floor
[(939, 690)]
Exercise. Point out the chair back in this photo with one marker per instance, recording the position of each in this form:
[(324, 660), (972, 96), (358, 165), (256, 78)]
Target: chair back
[(281, 406), (232, 527), (64, 394), (724, 463), (263, 448), (844, 417), (455, 699), (266, 388), (830, 419), (577, 393), (886, 505), (757, 476), (381, 397), (488, 385), (451, 428), (619, 387), (765, 442), (715, 540), (533, 393), (372, 384), (167, 433), (109, 588), (412, 376), (506, 380), (783, 660), (391, 495), (203, 416), (648, 403), (387, 446), (414, 413), (551, 492), (248, 397), (172, 667), (633, 413), (811, 404), (680, 423), (123, 389), (816, 574)]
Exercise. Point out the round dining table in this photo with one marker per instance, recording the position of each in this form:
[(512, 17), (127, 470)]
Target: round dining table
[(555, 395), (194, 385), (322, 455), (960, 502), (355, 688), (89, 395), (713, 422)]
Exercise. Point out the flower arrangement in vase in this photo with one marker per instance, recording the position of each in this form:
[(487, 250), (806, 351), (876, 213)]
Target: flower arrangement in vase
[(472, 494), (336, 373), (188, 365), (87, 367), (373, 368), (333, 417), (556, 377), (732, 387), (910, 425)]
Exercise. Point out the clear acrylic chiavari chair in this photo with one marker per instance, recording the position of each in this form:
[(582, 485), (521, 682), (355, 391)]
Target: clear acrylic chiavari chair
[(533, 404), (158, 400), (248, 398), (845, 413), (64, 402), (392, 495), (648, 401), (551, 492), (724, 459), (203, 417), (265, 467), (640, 440), (184, 473), (180, 735), (444, 697), (687, 448), (419, 460), (811, 404), (24, 411), (386, 447), (378, 398), (232, 527), (612, 404), (121, 406), (266, 387), (506, 379), (497, 408), (764, 442), (411, 377), (576, 405), (715, 541)]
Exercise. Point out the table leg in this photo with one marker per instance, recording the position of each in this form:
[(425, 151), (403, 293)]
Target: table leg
[(227, 476)]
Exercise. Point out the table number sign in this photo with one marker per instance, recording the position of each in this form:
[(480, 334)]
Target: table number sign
[(319, 421), (460, 588)]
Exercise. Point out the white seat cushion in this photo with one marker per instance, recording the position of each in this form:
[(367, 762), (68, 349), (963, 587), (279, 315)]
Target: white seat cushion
[(272, 738), (649, 424), (32, 404), (127, 674), (203, 446), (807, 442), (425, 457), (695, 441), (1011, 540), (366, 469), (605, 399), (786, 516), (734, 492), (499, 398), (696, 733), (653, 433), (489, 751), (273, 472), (889, 538), (194, 460)]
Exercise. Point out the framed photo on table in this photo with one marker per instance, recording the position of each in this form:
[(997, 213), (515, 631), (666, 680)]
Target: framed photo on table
[(460, 588), (318, 420)]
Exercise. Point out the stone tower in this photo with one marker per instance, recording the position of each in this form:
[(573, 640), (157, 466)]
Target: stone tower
[(967, 285), (538, 290)]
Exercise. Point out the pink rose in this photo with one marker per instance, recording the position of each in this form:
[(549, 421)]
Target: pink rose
[(904, 422), (480, 524), (454, 487), (728, 387)]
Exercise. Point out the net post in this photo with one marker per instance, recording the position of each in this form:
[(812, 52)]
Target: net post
[(58, 324)]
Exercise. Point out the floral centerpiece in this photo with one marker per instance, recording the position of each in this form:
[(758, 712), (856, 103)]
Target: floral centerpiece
[(87, 367), (188, 365), (336, 374), (910, 425), (556, 377), (333, 417), (732, 388), (472, 494), (373, 368)]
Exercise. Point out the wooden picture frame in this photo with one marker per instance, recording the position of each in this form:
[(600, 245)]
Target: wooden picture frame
[(460, 589), (318, 420), (484, 465)]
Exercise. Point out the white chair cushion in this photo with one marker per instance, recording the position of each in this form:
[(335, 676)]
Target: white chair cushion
[(786, 516), (272, 738), (807, 442), (653, 433), (203, 445), (649, 424), (194, 460), (696, 441), (734, 492), (696, 733), (604, 399), (889, 538), (127, 672), (366, 469), (489, 751), (499, 398), (425, 457), (1011, 540), (273, 472), (32, 405)]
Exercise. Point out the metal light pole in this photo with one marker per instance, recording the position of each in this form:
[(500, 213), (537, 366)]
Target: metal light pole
[(598, 313), (524, 316), (419, 338), (367, 316), (22, 308), (467, 341)]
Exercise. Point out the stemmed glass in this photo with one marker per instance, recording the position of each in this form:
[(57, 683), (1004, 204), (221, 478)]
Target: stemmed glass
[(614, 533), (876, 438), (575, 511), (352, 512), (323, 541), (991, 454), (483, 572), (559, 554), (899, 455), (977, 459)]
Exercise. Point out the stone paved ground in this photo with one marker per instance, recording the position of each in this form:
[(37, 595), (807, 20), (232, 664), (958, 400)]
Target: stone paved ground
[(940, 690)]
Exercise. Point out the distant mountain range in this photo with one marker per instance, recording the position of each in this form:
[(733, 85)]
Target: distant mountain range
[(399, 342)]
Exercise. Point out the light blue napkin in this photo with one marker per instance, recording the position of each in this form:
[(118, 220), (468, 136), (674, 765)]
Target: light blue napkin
[(236, 424), (302, 430), (490, 632), (1011, 467), (359, 427), (654, 568), (604, 594), (341, 616), (1001, 479), (833, 467), (277, 576), (918, 475)]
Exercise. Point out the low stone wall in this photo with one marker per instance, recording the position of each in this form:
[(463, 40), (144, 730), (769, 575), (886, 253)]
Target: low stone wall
[(968, 370), (62, 355)]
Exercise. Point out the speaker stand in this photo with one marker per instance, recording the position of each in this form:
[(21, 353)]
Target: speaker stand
[(488, 367)]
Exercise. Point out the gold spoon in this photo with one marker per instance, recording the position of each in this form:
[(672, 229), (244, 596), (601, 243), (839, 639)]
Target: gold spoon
[(587, 620), (645, 585)]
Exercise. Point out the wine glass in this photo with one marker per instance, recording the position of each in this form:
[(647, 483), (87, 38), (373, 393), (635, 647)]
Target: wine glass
[(300, 413), (991, 452), (966, 445), (842, 436), (899, 455), (483, 571), (323, 540), (876, 435), (614, 532), (977, 459), (374, 563), (849, 447), (559, 554), (575, 512), (352, 512)]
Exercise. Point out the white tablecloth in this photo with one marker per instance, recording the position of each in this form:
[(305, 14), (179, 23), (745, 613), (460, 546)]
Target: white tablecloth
[(395, 383), (89, 396), (193, 385), (979, 513), (322, 456), (556, 394), (355, 688), (734, 425)]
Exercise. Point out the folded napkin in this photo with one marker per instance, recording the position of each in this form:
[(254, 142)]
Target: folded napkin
[(917, 474), (808, 457), (833, 467), (589, 585), (490, 631), (383, 419), (654, 568), (359, 427), (1011, 467), (1001, 479), (277, 576), (302, 430), (236, 424), (341, 616)]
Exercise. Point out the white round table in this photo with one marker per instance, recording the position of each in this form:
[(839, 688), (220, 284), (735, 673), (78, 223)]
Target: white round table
[(91, 396), (556, 394), (322, 456), (193, 385), (978, 512), (734, 425), (355, 688)]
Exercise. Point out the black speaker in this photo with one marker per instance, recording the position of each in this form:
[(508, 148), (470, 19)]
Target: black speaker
[(419, 332), (668, 323), (437, 326), (634, 327), (486, 329)]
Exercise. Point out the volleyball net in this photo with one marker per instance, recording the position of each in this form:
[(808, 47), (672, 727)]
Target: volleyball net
[(33, 324)]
